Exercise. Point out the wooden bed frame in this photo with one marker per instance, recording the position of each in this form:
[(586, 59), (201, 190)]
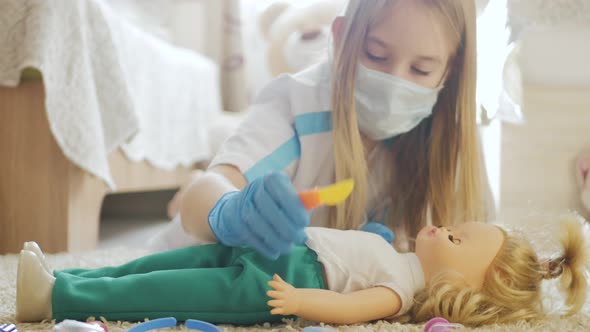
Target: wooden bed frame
[(43, 196)]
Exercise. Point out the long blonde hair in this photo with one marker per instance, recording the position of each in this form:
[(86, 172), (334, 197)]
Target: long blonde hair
[(426, 168), (512, 286)]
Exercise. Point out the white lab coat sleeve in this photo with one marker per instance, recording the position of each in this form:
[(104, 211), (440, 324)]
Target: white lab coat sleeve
[(266, 140)]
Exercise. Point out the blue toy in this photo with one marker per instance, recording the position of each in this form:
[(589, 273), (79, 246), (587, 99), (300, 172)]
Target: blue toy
[(162, 323), (8, 328)]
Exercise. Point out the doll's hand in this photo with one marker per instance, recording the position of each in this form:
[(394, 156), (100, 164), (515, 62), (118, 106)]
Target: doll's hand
[(285, 298)]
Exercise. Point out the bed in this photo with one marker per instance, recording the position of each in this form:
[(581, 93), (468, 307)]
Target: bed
[(91, 104)]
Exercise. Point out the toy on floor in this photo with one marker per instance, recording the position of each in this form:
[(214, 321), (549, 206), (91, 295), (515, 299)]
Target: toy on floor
[(318, 329), (99, 323), (76, 326), (161, 323), (9, 327), (439, 324)]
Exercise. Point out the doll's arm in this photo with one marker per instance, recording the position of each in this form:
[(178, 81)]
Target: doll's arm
[(326, 306)]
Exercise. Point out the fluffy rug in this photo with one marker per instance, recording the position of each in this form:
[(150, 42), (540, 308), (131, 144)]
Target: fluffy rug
[(8, 266)]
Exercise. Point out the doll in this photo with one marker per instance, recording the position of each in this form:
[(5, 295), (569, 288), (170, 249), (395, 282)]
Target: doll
[(474, 273)]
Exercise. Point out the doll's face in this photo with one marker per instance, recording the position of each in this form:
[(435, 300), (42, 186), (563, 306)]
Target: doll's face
[(468, 249)]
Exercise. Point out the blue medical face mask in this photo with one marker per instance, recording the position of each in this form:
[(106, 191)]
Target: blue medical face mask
[(388, 105)]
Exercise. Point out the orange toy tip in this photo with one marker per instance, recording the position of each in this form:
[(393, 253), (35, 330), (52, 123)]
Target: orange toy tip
[(330, 195), (310, 199)]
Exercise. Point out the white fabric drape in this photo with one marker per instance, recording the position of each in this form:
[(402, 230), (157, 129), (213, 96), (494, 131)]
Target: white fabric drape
[(212, 28), (109, 84)]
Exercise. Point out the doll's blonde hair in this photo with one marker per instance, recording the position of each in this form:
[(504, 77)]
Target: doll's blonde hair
[(512, 286), (437, 164)]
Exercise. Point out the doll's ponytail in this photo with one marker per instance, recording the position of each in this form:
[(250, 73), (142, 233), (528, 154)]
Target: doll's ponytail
[(513, 284), (572, 266)]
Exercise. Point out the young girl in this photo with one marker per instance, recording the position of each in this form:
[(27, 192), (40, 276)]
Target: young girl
[(474, 274), (392, 108)]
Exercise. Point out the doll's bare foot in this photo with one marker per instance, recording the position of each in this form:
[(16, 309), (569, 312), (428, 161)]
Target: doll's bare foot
[(174, 204), (33, 289), (34, 247), (583, 176)]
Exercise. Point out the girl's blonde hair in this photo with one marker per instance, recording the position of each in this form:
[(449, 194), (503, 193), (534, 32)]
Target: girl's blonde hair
[(512, 286), (437, 164)]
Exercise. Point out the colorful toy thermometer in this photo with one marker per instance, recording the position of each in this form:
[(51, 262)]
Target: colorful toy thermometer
[(330, 195)]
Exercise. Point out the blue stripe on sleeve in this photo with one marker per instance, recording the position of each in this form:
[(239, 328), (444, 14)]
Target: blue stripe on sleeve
[(305, 125), (313, 123), (278, 160)]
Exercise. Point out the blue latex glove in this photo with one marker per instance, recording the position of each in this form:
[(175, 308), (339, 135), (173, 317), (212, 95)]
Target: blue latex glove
[(379, 229), (266, 215)]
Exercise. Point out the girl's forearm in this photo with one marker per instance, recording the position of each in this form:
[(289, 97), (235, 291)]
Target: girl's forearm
[(203, 194)]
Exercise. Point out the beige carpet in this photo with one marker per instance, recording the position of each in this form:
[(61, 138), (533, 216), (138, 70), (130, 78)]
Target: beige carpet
[(8, 264)]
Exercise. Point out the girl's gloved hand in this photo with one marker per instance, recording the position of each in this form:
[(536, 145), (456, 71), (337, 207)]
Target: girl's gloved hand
[(379, 229), (266, 215)]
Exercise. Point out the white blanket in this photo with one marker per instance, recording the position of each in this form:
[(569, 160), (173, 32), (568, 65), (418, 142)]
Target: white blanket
[(109, 84), (546, 13)]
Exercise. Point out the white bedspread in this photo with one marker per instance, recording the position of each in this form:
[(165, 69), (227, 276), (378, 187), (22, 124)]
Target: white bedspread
[(109, 84)]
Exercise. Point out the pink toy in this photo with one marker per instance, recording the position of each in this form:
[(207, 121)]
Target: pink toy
[(439, 324), (100, 324)]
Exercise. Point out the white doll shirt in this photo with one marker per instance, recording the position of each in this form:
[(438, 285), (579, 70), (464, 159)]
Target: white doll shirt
[(289, 128), (356, 260)]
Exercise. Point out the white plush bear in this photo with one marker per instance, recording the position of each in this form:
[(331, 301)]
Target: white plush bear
[(298, 37)]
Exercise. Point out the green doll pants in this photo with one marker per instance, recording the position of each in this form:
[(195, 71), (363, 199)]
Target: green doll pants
[(212, 282)]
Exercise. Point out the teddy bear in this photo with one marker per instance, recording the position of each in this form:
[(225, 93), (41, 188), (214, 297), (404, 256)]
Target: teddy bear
[(298, 36), (583, 177)]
